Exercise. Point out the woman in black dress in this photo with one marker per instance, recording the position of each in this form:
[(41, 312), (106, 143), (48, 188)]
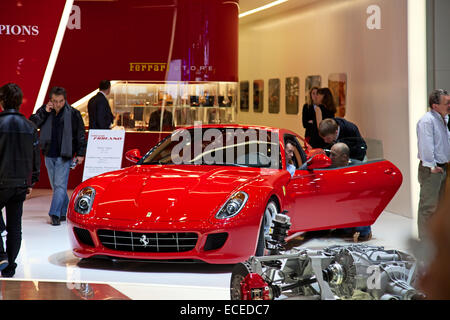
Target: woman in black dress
[(325, 99), (322, 106), (309, 115), (327, 109)]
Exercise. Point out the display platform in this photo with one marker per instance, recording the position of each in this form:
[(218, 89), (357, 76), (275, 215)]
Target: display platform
[(46, 255), (57, 290)]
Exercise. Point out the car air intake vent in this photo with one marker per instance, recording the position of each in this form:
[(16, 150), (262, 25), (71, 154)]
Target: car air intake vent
[(84, 236), (147, 242), (215, 241)]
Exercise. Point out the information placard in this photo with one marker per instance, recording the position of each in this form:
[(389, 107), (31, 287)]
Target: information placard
[(104, 152)]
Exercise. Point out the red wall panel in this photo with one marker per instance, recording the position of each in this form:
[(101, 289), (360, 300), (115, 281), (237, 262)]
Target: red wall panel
[(123, 40), (157, 40), (27, 32)]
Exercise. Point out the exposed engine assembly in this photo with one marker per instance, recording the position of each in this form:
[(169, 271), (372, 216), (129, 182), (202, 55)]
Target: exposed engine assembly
[(358, 272)]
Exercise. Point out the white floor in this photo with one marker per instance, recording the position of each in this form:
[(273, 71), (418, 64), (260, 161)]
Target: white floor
[(46, 255)]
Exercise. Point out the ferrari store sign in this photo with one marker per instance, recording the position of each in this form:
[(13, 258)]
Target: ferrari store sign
[(104, 152)]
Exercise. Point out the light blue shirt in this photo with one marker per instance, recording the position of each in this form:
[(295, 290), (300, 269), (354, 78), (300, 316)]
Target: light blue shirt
[(291, 169), (433, 139)]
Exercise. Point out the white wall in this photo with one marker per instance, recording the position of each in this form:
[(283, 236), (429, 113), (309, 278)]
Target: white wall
[(331, 36), (442, 45)]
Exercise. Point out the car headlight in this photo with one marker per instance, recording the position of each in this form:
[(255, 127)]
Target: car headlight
[(233, 206), (84, 200)]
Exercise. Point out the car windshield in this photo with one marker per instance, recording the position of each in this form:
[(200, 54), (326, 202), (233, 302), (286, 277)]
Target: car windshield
[(218, 146)]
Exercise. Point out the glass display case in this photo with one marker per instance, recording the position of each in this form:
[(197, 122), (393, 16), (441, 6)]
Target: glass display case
[(163, 106)]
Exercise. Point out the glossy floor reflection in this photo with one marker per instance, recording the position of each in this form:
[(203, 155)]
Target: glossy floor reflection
[(46, 260), (47, 290)]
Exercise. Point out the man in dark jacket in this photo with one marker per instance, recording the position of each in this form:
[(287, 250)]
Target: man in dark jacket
[(19, 170), (100, 115), (62, 138), (155, 121), (341, 130)]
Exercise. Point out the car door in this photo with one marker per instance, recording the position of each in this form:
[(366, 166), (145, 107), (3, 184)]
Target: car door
[(342, 197), (301, 197), (301, 190)]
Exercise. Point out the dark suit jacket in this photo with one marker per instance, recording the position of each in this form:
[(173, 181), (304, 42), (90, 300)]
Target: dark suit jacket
[(77, 135), (100, 115), (19, 152), (349, 134)]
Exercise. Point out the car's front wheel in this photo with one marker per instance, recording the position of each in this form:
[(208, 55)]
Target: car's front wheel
[(269, 213), (240, 271)]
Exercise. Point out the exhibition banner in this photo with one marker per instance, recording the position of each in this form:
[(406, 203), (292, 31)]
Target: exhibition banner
[(30, 37), (104, 152)]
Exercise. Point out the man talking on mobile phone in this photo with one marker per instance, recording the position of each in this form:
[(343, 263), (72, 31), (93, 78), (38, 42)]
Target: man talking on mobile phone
[(62, 138)]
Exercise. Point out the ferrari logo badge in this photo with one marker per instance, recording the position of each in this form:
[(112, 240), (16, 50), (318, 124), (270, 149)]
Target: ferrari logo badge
[(144, 240), (284, 190)]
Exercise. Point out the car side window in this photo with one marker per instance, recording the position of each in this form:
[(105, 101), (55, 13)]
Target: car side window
[(298, 159), (300, 150)]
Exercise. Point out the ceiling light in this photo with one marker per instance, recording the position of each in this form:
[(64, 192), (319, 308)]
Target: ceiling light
[(267, 6)]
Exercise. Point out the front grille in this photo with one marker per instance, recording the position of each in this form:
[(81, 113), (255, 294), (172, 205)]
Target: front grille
[(147, 242)]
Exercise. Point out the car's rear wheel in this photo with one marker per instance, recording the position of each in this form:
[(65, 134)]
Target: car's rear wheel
[(269, 213)]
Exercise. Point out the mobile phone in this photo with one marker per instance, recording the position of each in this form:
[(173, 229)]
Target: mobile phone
[(74, 163)]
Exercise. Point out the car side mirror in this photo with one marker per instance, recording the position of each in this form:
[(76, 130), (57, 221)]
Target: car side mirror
[(133, 155), (319, 161), (313, 152)]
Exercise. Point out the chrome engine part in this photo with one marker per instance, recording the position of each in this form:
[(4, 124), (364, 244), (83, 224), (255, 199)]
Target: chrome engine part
[(356, 271)]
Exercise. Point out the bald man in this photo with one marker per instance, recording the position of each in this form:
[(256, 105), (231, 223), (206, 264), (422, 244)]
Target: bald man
[(339, 155)]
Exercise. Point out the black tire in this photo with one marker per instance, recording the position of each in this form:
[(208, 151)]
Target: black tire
[(271, 207), (261, 245)]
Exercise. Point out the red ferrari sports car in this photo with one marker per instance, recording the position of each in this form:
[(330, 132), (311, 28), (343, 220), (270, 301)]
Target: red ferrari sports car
[(209, 193)]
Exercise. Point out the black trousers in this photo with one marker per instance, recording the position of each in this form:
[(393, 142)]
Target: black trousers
[(2, 222), (12, 200)]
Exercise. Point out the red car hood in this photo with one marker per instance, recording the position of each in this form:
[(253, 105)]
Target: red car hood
[(169, 193)]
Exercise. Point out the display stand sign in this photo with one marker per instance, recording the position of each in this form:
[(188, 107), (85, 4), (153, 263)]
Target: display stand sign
[(104, 152)]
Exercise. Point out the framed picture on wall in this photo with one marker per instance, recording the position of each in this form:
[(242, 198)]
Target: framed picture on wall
[(311, 82), (258, 95), (274, 95), (244, 95), (292, 93), (337, 83)]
